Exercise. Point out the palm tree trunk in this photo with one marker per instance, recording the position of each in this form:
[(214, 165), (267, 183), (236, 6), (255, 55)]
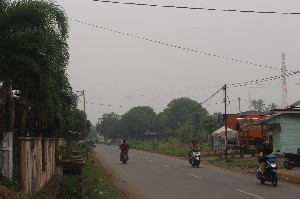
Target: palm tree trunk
[(25, 114), (24, 120)]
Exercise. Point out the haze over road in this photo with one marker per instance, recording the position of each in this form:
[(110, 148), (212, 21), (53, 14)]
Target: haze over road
[(153, 176)]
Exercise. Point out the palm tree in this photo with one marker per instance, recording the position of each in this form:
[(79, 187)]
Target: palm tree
[(258, 105), (33, 56)]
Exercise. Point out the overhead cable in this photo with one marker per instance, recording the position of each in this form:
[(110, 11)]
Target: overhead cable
[(175, 46), (200, 8)]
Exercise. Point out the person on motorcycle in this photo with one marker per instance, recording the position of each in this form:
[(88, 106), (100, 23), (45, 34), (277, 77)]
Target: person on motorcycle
[(193, 147), (124, 147), (265, 149)]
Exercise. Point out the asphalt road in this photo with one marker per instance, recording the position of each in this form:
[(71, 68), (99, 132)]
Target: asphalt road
[(154, 176)]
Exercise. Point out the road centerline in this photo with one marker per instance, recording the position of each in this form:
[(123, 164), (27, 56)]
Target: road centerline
[(250, 194), (194, 175)]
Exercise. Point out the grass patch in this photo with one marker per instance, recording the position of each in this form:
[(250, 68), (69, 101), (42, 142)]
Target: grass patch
[(70, 187), (96, 182), (172, 147), (240, 162)]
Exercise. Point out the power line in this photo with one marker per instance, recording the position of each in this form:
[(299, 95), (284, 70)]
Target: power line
[(175, 46), (290, 73), (200, 8), (211, 96)]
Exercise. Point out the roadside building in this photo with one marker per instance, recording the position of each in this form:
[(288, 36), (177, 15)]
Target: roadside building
[(283, 128)]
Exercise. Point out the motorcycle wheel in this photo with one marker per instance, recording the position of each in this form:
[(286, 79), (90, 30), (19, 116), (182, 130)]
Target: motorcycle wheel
[(274, 179), (124, 161), (262, 181), (287, 165), (196, 164)]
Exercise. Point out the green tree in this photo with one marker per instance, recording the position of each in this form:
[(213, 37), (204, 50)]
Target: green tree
[(210, 123), (271, 107), (109, 125), (33, 58), (139, 120), (258, 105), (187, 132), (181, 111)]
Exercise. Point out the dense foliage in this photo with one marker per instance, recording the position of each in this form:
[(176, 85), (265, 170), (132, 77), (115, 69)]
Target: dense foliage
[(183, 118), (36, 98)]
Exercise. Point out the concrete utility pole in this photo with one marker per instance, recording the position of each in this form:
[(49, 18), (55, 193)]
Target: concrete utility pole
[(82, 93), (225, 121), (6, 144)]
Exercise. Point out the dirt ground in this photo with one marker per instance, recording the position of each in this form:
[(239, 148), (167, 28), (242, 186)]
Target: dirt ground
[(291, 176), (6, 193)]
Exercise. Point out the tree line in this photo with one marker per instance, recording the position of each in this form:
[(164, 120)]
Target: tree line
[(183, 118), (36, 98)]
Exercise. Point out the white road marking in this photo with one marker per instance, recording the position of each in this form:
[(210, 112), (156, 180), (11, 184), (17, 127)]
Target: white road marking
[(166, 166), (194, 175), (250, 194), (150, 160)]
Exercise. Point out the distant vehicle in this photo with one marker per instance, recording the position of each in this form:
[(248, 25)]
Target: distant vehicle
[(124, 157), (195, 159), (107, 142), (291, 160)]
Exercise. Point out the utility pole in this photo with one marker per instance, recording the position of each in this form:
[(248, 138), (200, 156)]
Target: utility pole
[(225, 121), (284, 102), (84, 112), (82, 93), (239, 99)]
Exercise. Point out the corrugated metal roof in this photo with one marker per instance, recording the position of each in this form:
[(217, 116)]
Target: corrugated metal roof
[(253, 113), (294, 105), (263, 120)]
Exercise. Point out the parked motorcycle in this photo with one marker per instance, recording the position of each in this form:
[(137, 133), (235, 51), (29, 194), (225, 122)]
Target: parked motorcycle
[(271, 170), (195, 158), (124, 157), (291, 160)]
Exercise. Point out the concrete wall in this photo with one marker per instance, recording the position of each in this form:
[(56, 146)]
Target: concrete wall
[(37, 162), (286, 133)]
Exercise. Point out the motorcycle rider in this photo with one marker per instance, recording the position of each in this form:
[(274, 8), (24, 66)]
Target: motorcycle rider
[(265, 149), (124, 147), (193, 147)]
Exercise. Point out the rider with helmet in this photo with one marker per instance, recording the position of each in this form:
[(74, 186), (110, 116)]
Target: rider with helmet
[(265, 149), (193, 147), (124, 147)]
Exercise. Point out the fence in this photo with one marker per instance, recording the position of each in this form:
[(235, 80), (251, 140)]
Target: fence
[(38, 157)]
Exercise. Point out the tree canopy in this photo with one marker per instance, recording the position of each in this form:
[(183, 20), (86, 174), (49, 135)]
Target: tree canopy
[(33, 61)]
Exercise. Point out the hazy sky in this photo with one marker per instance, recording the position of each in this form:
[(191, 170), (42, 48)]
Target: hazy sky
[(119, 72)]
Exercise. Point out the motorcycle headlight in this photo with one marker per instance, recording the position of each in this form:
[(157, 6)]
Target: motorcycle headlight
[(273, 165)]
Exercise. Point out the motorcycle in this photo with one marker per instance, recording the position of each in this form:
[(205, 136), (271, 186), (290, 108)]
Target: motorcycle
[(271, 170), (195, 158), (291, 160), (124, 157)]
